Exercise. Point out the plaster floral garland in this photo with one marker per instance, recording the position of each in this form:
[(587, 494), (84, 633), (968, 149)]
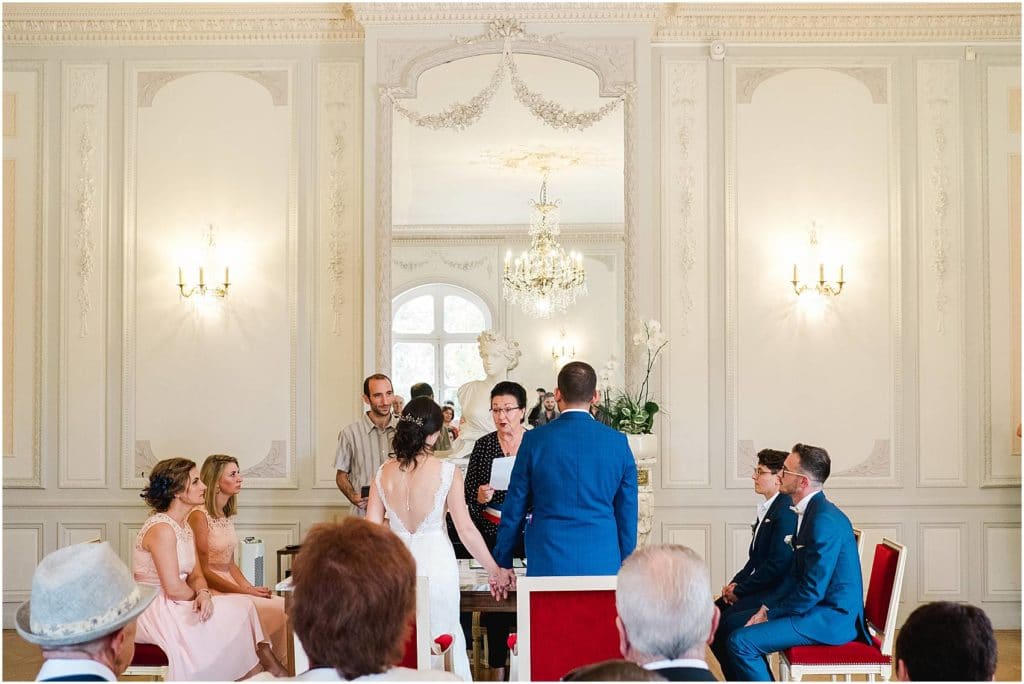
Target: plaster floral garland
[(460, 116)]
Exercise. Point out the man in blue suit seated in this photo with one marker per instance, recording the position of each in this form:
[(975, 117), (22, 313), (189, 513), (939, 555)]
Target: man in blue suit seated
[(771, 555), (821, 600), (578, 478)]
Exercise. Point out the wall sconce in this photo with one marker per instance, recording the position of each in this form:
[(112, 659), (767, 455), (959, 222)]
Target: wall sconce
[(822, 286), (562, 351), (202, 288)]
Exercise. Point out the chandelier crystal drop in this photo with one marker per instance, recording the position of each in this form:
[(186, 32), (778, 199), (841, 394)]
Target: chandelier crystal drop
[(544, 280)]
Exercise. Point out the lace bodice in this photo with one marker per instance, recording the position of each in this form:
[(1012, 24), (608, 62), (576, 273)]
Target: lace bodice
[(142, 560), (434, 520), (221, 541)]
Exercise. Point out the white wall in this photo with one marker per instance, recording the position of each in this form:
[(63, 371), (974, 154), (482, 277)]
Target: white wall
[(900, 143)]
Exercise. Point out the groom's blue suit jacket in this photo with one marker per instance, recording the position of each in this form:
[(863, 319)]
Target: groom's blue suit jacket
[(823, 592), (578, 479)]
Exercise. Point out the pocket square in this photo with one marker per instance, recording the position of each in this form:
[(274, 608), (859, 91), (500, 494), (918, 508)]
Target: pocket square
[(799, 546)]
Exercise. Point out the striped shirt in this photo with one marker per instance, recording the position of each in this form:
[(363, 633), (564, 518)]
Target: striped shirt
[(362, 448)]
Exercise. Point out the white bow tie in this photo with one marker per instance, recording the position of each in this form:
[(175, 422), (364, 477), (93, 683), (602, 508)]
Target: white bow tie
[(796, 510)]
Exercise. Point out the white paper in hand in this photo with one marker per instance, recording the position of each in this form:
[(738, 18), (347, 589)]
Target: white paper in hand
[(501, 472)]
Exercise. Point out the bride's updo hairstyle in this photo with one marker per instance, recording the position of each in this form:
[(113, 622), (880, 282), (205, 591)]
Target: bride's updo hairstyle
[(420, 418)]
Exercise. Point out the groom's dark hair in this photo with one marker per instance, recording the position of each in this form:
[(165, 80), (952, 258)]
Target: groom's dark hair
[(577, 382)]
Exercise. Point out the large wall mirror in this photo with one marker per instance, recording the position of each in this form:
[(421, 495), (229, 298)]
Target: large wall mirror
[(461, 200)]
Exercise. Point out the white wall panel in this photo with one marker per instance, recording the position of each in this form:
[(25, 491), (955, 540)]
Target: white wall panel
[(738, 538), (24, 244), (1002, 271), (685, 442), (1001, 555), (23, 549), (942, 563), (943, 458), (84, 226), (211, 144), (697, 537), (69, 533), (814, 149)]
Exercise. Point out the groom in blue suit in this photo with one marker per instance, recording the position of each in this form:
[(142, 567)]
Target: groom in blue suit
[(821, 600), (577, 479)]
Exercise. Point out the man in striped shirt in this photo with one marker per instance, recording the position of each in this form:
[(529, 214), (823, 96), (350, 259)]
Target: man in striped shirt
[(365, 444)]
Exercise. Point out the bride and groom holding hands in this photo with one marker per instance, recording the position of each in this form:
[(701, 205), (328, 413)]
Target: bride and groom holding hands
[(575, 478)]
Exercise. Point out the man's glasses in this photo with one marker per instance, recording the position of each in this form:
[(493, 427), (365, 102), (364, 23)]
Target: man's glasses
[(793, 472), (758, 472), (505, 411)]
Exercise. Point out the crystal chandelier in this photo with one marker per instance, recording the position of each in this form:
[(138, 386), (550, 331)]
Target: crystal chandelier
[(544, 279)]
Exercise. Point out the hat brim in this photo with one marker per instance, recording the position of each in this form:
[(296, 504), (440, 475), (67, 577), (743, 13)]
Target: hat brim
[(22, 623)]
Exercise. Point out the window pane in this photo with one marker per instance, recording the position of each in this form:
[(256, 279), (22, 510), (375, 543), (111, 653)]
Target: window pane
[(412, 362), (462, 363), (415, 316), (462, 315)]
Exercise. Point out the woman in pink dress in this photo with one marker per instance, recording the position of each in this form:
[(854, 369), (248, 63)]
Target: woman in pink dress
[(204, 637), (216, 541)]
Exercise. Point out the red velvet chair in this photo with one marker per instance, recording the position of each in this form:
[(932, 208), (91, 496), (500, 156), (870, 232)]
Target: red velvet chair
[(562, 622), (149, 661), (420, 646), (880, 608)]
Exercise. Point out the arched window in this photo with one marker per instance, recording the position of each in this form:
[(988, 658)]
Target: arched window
[(433, 333)]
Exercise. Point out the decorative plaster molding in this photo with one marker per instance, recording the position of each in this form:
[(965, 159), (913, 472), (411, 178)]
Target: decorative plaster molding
[(873, 78), (877, 464), (846, 23), (391, 14), (273, 466), (509, 232), (318, 23), (170, 24), (84, 103), (683, 91), (399, 65), (935, 77), (144, 460), (337, 115), (274, 80)]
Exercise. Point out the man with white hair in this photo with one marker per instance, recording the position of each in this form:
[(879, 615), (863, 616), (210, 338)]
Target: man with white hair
[(82, 613), (666, 613)]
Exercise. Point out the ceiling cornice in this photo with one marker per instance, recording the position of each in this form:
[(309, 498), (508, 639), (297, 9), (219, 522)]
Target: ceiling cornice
[(177, 24), (399, 13), (311, 23), (843, 23)]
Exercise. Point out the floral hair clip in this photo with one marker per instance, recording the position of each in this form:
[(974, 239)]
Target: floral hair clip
[(412, 419)]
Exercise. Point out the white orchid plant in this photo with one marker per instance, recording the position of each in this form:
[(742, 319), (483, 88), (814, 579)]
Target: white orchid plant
[(633, 413)]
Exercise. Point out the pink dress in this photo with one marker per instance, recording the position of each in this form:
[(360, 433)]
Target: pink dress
[(221, 545), (222, 648)]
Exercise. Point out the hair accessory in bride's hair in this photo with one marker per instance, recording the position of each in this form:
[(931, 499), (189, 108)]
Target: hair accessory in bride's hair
[(412, 419)]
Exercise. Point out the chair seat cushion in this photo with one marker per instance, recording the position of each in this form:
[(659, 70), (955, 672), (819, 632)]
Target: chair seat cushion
[(149, 655), (853, 653)]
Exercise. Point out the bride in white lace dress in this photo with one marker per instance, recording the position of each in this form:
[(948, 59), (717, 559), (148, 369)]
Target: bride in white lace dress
[(415, 489)]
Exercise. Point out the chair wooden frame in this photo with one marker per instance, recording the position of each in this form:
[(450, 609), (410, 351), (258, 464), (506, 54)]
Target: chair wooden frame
[(426, 646), (157, 672), (858, 535), (519, 669), (795, 672)]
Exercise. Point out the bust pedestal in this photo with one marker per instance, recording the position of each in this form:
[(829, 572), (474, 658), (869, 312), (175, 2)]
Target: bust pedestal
[(645, 453)]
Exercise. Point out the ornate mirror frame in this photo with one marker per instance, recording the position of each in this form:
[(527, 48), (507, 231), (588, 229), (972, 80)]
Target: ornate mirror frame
[(399, 66)]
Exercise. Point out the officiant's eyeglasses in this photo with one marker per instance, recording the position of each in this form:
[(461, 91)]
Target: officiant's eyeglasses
[(793, 472), (505, 411)]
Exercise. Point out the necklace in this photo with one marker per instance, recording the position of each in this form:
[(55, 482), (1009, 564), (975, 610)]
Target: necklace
[(408, 482), (512, 443)]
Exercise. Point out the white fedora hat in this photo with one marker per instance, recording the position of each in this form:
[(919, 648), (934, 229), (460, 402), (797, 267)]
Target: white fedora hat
[(80, 593)]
